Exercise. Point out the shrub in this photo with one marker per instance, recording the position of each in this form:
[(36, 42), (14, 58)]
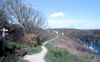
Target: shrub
[(92, 57), (58, 52), (32, 39), (16, 33), (11, 45), (13, 58), (14, 47)]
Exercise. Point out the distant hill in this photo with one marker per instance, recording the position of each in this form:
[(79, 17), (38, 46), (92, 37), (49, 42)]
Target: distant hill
[(83, 35), (72, 42)]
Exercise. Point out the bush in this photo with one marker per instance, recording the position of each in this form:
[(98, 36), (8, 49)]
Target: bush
[(11, 45), (58, 52), (16, 33), (32, 39), (14, 47), (12, 58)]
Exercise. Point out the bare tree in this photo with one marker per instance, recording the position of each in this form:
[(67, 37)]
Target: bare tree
[(25, 15), (3, 19)]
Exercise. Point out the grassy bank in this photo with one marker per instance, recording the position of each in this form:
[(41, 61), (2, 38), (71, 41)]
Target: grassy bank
[(35, 50), (62, 55)]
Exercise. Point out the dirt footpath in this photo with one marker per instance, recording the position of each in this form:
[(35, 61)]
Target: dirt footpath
[(37, 57)]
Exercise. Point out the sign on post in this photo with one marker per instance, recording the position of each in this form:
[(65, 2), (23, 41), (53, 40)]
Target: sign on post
[(3, 37)]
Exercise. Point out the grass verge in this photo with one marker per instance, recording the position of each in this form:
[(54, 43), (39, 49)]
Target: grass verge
[(61, 55), (35, 50)]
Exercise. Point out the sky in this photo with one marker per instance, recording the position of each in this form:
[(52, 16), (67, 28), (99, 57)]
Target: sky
[(79, 14)]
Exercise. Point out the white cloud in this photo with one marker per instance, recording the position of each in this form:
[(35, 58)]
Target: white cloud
[(73, 24), (57, 14)]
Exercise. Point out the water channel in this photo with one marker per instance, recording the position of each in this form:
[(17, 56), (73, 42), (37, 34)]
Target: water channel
[(93, 46)]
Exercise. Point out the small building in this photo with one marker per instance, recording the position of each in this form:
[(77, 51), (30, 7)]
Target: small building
[(61, 33), (56, 32)]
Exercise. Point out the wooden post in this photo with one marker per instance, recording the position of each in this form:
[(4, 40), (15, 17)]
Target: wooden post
[(54, 48), (3, 38)]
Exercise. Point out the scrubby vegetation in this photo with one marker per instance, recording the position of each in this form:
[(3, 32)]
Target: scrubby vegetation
[(13, 47), (13, 58), (25, 27), (32, 39), (61, 55)]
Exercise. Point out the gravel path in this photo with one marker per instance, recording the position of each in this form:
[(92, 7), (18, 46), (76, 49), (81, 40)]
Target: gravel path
[(39, 57)]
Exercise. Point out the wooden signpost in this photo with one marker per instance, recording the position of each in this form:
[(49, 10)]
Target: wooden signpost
[(3, 38)]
